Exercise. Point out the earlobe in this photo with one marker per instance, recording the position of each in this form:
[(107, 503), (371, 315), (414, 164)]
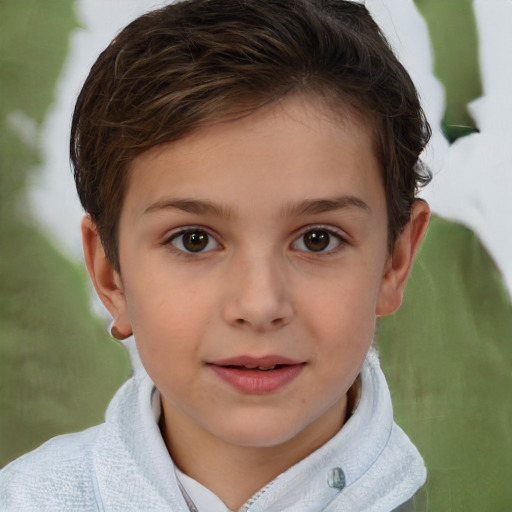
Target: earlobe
[(106, 280), (399, 263)]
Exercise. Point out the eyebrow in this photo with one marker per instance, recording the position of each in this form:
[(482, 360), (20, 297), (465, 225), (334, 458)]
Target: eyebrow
[(195, 206), (314, 206), (306, 207)]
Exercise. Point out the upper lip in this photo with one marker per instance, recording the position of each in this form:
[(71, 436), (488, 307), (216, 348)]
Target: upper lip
[(250, 361)]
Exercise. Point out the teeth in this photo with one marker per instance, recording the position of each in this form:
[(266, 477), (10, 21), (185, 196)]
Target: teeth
[(262, 368), (254, 367)]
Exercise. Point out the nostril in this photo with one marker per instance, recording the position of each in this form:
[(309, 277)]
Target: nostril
[(276, 322)]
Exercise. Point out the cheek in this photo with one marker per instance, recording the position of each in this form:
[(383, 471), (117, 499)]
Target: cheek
[(169, 326), (168, 312), (342, 320), (164, 292), (344, 331), (344, 303)]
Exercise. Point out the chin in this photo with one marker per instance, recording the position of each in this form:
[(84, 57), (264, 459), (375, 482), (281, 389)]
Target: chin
[(260, 438), (262, 433)]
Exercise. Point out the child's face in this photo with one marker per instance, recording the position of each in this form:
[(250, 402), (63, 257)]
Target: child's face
[(256, 242)]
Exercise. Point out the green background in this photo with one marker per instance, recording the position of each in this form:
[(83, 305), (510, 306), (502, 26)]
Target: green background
[(447, 352), (58, 367)]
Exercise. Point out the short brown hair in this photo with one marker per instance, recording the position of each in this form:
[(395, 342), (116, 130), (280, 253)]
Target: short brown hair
[(198, 62)]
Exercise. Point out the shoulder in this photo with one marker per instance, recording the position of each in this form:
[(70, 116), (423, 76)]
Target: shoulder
[(59, 475)]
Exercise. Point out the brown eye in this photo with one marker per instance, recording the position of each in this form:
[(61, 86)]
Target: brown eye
[(194, 241), (318, 240)]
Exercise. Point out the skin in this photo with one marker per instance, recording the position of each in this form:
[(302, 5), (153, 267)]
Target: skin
[(255, 187)]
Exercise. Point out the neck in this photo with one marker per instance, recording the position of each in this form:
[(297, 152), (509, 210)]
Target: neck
[(233, 472)]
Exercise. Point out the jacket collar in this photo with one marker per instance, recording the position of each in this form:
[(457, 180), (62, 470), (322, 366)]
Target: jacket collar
[(369, 465)]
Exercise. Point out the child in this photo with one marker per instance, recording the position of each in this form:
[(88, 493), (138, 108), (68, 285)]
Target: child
[(249, 171)]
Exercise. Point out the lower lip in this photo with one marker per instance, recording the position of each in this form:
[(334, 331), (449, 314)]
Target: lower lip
[(258, 382)]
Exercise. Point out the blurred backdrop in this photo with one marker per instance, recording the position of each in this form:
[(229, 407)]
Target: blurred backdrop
[(447, 353)]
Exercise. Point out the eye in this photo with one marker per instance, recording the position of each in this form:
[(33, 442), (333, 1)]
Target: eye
[(194, 241), (318, 240)]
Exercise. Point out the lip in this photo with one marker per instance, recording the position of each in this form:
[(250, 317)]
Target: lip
[(233, 371)]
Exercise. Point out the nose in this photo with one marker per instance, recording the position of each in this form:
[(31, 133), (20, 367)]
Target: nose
[(259, 295)]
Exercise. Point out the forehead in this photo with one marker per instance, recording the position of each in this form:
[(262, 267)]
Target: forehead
[(290, 150)]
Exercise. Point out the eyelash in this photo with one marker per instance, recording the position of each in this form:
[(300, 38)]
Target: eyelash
[(182, 251)]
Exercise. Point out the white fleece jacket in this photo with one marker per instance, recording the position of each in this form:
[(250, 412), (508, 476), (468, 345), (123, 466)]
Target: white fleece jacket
[(123, 464)]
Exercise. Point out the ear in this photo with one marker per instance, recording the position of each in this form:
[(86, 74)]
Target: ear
[(106, 280), (399, 263)]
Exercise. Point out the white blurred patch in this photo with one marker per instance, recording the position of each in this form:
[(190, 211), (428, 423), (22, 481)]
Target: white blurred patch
[(407, 32), (24, 127), (475, 185), (52, 192)]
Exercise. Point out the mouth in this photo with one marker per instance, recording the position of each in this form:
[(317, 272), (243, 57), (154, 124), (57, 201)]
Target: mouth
[(257, 375), (250, 362), (259, 368)]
